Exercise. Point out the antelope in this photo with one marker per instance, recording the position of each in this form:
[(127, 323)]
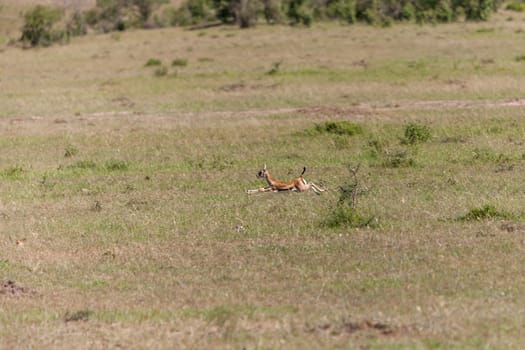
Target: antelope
[(298, 184)]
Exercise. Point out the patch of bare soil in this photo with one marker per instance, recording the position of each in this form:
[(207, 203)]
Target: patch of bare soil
[(355, 328), (11, 288)]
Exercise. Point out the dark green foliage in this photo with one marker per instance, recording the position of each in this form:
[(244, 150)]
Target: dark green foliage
[(479, 10), (346, 216), (110, 15), (272, 11), (515, 6), (246, 12), (39, 24), (193, 12), (344, 213), (242, 12), (82, 315), (116, 165), (161, 71), (275, 68), (179, 62), (344, 10), (12, 173), (416, 133), (377, 12), (83, 164), (299, 12), (342, 127), (153, 62), (399, 159), (76, 25), (70, 151), (484, 213)]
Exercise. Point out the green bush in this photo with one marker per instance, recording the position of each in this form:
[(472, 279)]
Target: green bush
[(116, 165), (179, 62), (342, 127), (272, 11), (70, 151), (153, 62), (416, 133), (299, 12), (485, 212), (342, 10), (191, 12), (346, 216), (83, 164), (12, 173), (161, 71), (400, 159), (246, 12), (515, 6), (376, 12), (39, 24)]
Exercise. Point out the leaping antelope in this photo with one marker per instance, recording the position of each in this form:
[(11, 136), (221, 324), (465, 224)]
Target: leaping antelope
[(298, 184)]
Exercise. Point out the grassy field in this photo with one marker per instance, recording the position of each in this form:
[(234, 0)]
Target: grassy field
[(123, 215)]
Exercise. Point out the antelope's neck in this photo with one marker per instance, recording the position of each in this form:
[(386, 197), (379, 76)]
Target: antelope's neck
[(269, 179)]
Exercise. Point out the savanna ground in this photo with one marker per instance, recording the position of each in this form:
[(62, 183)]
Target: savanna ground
[(124, 221)]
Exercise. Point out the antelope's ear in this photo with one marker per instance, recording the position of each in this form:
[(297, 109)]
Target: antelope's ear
[(264, 166)]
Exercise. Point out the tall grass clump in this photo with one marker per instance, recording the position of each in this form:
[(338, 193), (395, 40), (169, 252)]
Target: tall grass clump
[(12, 173), (345, 213), (153, 62), (415, 133), (485, 212), (342, 127)]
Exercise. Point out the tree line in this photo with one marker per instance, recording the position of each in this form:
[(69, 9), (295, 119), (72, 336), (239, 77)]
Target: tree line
[(44, 25)]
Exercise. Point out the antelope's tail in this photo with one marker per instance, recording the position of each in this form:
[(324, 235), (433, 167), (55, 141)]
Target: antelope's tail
[(304, 170)]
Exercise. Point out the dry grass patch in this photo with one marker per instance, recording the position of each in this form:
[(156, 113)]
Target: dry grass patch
[(130, 221)]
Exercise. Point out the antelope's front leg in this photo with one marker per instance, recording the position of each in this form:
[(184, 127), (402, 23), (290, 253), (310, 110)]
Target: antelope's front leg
[(316, 188), (262, 189)]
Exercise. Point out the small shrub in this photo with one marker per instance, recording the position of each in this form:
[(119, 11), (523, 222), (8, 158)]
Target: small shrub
[(246, 12), (191, 12), (82, 315), (161, 71), (345, 216), (272, 11), (83, 164), (299, 12), (515, 6), (416, 133), (399, 159), (343, 127), (179, 62), (484, 213), (520, 58), (152, 62), (116, 165), (12, 173), (276, 66), (344, 10), (70, 151)]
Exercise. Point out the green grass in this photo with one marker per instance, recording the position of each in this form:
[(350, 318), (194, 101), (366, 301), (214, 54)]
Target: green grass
[(125, 221)]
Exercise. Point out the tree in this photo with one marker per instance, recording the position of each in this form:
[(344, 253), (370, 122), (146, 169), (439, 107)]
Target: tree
[(38, 26)]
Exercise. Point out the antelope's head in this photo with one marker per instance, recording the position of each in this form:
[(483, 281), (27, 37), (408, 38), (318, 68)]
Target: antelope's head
[(262, 173)]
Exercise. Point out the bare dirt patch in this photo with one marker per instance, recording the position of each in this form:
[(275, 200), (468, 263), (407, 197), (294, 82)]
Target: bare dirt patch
[(356, 328), (11, 288)]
